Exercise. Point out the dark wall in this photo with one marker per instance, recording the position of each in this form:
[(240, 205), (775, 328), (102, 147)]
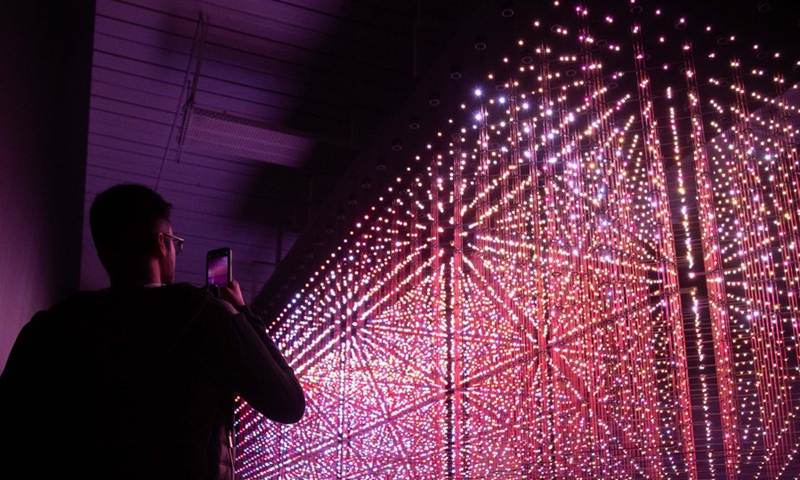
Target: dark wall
[(45, 73)]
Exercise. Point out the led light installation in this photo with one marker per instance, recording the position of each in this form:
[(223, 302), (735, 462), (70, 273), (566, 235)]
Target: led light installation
[(590, 272)]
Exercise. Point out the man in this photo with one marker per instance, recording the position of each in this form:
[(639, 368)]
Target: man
[(138, 381)]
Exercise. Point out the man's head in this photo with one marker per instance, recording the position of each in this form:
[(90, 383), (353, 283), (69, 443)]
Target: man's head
[(133, 235)]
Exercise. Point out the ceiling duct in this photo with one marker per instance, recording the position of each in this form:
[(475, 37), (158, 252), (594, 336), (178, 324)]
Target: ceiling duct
[(221, 133)]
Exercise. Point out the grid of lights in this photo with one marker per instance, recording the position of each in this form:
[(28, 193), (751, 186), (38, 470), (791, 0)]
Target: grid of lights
[(521, 305)]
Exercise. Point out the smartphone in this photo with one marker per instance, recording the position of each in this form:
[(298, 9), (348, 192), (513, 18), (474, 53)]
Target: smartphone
[(219, 269)]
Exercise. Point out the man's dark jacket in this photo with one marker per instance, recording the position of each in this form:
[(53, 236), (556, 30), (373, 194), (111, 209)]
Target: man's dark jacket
[(137, 383)]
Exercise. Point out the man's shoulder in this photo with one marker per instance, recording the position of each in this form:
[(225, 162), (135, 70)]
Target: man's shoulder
[(211, 303), (177, 295), (89, 301), (222, 306), (183, 289)]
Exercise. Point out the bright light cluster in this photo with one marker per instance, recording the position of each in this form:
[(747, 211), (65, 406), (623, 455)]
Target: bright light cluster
[(588, 273)]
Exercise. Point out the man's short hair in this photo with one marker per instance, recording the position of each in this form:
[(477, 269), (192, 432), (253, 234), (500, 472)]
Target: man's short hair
[(123, 220)]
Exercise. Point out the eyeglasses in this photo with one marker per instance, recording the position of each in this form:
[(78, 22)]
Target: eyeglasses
[(177, 241)]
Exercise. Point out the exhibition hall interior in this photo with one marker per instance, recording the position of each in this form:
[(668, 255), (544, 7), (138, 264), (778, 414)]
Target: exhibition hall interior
[(494, 239)]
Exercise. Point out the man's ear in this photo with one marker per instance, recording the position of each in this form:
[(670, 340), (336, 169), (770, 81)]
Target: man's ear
[(160, 247)]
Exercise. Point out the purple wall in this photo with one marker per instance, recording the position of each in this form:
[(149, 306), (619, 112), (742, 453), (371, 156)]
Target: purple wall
[(45, 71)]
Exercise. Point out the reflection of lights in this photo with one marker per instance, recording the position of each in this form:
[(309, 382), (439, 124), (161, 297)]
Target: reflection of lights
[(520, 306)]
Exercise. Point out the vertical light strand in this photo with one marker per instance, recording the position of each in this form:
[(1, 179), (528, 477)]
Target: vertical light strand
[(678, 402), (600, 395), (454, 310), (714, 274), (761, 288), (782, 161), (560, 431)]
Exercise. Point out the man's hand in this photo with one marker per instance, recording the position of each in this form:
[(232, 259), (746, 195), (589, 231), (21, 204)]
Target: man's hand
[(232, 294)]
